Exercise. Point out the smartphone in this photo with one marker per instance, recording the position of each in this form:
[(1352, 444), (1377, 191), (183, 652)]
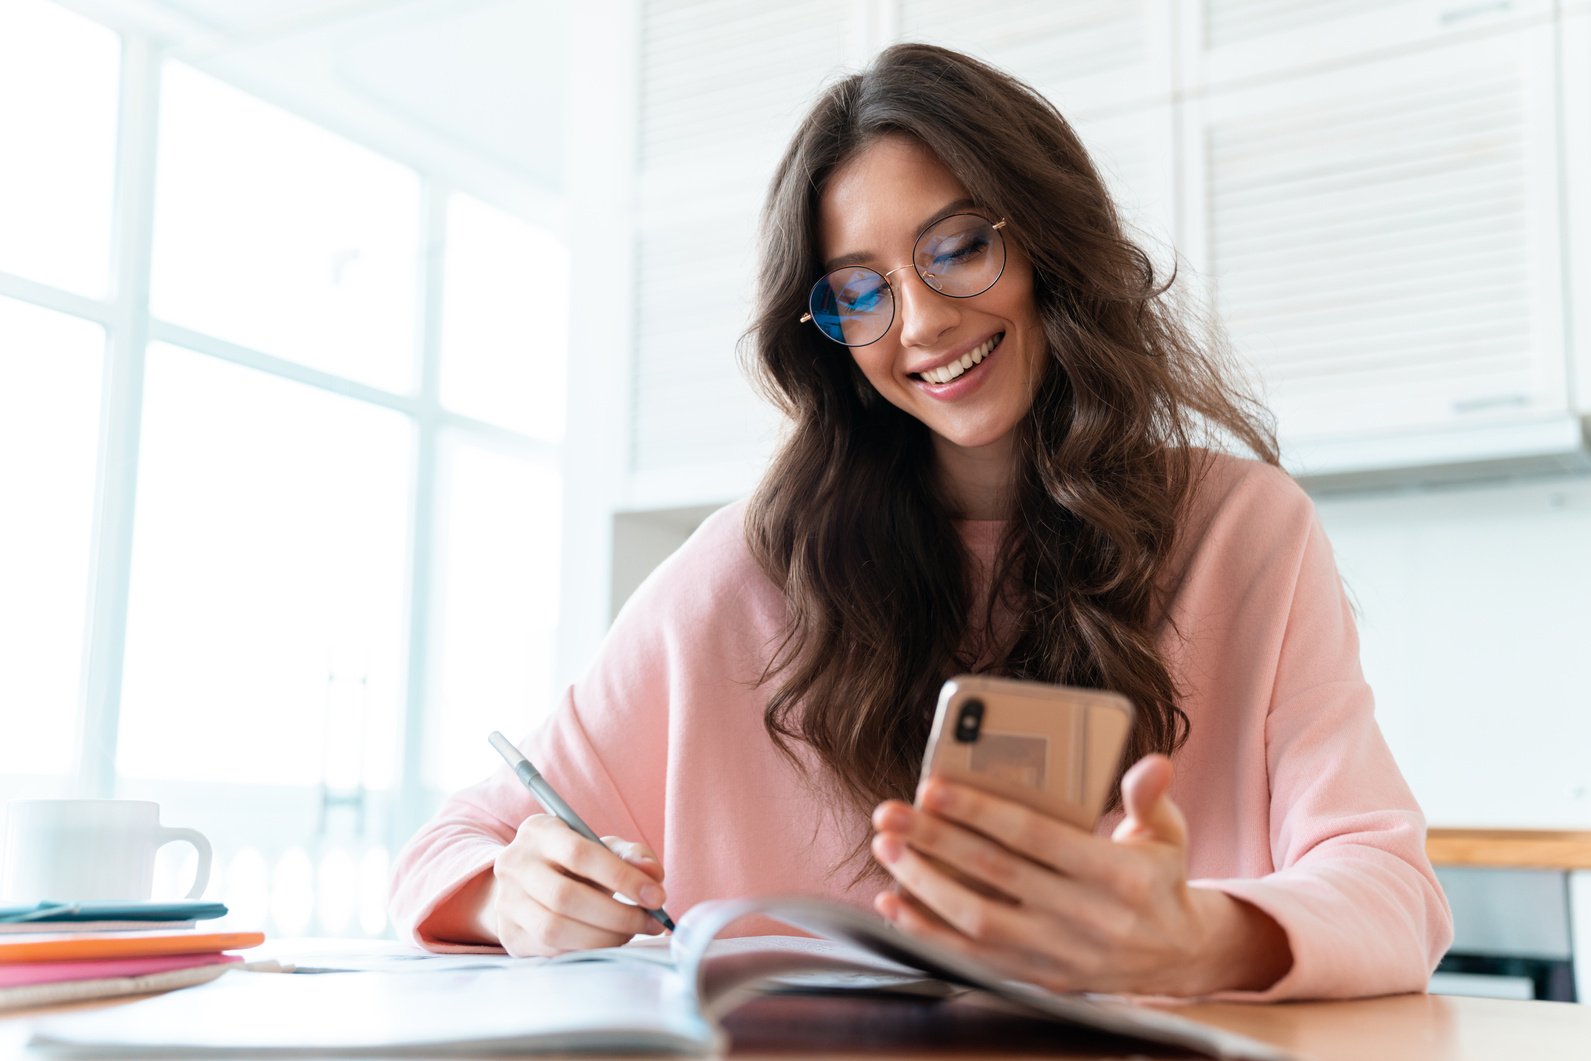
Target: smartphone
[(1050, 747)]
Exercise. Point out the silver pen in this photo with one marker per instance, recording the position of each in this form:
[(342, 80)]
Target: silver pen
[(552, 801)]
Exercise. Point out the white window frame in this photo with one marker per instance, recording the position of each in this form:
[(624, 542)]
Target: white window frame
[(130, 327)]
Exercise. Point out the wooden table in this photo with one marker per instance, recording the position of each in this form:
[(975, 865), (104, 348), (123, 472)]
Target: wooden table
[(1509, 848), (1397, 1028)]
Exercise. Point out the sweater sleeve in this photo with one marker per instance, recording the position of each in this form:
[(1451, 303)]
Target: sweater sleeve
[(605, 748), (464, 838), (1352, 886)]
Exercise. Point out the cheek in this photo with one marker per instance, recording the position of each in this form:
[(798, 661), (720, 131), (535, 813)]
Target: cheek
[(873, 367)]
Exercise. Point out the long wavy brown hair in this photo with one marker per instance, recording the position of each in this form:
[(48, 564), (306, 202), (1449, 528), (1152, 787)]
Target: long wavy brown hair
[(850, 520)]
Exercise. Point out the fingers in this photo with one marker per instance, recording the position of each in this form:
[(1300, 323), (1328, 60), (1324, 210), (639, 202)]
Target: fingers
[(1045, 840), (557, 890), (987, 866), (973, 915), (576, 856), (578, 900), (636, 854), (526, 928), (909, 915)]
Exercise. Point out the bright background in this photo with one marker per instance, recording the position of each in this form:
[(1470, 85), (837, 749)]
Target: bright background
[(359, 357), (282, 396)]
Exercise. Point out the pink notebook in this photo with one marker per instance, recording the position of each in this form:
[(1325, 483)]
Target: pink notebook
[(24, 973)]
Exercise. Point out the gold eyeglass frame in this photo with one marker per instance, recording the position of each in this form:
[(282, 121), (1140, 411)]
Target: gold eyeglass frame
[(912, 265)]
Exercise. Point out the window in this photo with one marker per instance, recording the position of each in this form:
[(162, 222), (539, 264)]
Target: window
[(496, 602), (337, 563), (502, 350), (49, 432), (266, 621), (58, 76), (276, 235)]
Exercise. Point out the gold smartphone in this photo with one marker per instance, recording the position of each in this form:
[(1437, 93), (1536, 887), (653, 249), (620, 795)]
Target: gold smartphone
[(1050, 747)]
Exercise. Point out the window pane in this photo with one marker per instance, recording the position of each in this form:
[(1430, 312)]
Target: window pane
[(496, 599), (58, 87), (49, 433), (279, 236), (504, 319), (266, 623)]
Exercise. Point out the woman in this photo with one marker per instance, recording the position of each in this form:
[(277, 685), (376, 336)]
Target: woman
[(992, 465)]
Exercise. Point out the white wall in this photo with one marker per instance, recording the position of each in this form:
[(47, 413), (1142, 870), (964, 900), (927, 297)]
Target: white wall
[(1475, 619)]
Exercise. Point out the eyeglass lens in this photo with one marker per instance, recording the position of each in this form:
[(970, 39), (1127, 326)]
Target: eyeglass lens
[(960, 256)]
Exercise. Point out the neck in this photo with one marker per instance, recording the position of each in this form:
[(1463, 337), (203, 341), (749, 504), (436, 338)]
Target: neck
[(977, 481)]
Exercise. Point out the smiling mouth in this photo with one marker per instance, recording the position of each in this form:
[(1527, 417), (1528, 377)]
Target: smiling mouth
[(957, 369)]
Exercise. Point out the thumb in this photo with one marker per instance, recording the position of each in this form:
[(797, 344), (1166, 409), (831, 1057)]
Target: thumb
[(1150, 813)]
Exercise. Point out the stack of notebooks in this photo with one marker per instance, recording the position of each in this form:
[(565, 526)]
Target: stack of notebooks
[(61, 952)]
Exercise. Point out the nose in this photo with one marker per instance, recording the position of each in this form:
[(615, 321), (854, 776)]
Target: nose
[(925, 314)]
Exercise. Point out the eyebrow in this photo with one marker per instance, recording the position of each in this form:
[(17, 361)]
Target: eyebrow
[(858, 257)]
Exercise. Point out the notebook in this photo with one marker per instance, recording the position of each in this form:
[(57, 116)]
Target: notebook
[(63, 928), (640, 999), (80, 946), (79, 913), (33, 984), (22, 974), (33, 995)]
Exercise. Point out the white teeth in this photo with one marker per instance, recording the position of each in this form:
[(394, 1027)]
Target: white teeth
[(946, 373)]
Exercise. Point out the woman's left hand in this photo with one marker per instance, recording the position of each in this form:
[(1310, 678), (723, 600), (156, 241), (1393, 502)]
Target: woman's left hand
[(1057, 906)]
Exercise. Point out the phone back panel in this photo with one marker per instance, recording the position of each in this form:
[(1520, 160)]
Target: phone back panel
[(1051, 747)]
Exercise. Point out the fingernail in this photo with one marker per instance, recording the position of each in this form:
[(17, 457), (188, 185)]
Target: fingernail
[(936, 796), (887, 848), (651, 896), (893, 816)]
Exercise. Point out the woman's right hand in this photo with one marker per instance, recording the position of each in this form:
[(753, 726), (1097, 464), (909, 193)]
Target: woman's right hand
[(553, 890)]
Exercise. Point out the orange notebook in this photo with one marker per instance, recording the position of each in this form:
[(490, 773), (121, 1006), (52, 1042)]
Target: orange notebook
[(122, 945)]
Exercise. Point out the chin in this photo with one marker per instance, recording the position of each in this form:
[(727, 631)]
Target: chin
[(973, 440)]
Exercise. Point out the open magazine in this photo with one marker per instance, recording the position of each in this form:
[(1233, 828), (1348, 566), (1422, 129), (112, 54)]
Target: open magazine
[(634, 998)]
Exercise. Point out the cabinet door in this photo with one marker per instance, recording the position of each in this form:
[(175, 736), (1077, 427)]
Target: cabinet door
[(1383, 240), (1087, 56), (1136, 154), (722, 86), (1226, 41), (1574, 50)]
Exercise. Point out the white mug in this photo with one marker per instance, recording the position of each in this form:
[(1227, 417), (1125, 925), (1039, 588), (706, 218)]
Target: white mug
[(89, 849)]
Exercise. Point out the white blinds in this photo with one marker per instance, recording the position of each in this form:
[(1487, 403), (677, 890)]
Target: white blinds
[(1228, 22), (723, 83), (1387, 234), (1381, 229)]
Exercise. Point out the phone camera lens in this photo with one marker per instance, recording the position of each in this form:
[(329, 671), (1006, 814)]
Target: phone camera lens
[(969, 720)]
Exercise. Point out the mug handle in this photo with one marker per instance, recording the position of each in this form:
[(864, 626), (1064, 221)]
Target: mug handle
[(201, 876)]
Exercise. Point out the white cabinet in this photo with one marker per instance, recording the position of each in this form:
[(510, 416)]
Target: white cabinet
[(1384, 242), (722, 85), (1087, 56), (1574, 53), (1388, 197), (1135, 152), (1227, 42)]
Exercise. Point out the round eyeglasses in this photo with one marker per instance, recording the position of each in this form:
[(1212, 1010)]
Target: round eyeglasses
[(960, 256)]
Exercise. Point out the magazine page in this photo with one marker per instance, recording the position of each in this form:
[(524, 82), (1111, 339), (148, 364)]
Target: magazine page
[(533, 1007), (719, 990)]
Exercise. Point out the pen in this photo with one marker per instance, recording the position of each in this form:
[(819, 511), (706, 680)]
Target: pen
[(552, 801)]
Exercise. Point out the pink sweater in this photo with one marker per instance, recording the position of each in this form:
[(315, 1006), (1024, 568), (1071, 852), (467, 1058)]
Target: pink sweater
[(1292, 798)]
